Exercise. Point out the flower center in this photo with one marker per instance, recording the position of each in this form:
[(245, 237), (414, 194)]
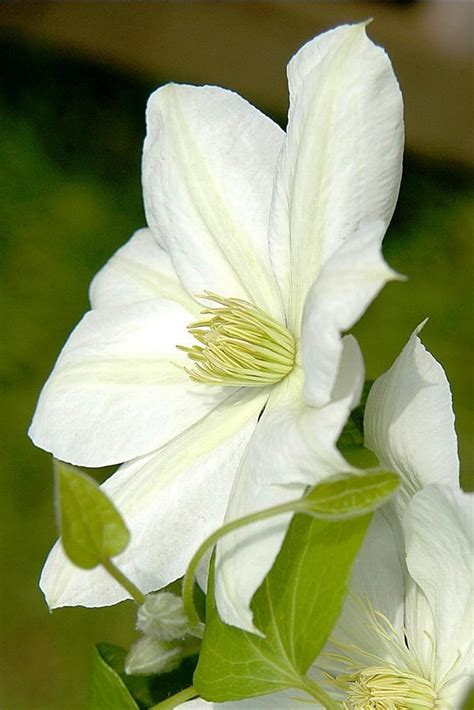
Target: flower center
[(383, 688), (240, 345), (372, 682)]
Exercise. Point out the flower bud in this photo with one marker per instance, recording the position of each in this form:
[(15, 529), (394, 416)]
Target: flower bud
[(148, 656), (162, 617)]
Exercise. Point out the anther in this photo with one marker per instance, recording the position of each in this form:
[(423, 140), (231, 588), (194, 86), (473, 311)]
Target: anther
[(239, 345)]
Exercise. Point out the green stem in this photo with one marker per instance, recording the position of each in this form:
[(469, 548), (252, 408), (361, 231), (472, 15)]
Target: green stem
[(318, 693), (308, 504), (175, 700), (191, 647), (124, 581), (294, 506)]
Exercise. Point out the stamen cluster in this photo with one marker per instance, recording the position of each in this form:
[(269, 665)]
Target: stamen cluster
[(383, 688), (369, 682), (240, 345)]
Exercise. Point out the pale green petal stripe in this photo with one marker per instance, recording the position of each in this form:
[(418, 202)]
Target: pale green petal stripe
[(171, 501), (138, 271), (208, 169), (341, 164)]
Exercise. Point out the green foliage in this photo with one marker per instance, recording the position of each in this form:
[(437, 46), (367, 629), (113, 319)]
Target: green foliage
[(357, 414), (107, 690), (139, 687), (110, 684), (340, 498), (299, 601), (351, 441), (349, 496), (92, 530)]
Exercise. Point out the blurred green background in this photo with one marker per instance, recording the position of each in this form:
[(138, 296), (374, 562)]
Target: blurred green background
[(70, 139)]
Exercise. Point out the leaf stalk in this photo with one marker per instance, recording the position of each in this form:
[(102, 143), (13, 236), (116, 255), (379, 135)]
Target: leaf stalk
[(177, 699), (315, 690), (124, 581)]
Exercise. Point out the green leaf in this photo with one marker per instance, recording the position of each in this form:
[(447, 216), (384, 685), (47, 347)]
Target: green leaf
[(139, 687), (340, 498), (351, 440), (299, 602), (146, 691), (350, 495), (357, 414), (350, 436), (91, 528), (359, 456), (107, 691)]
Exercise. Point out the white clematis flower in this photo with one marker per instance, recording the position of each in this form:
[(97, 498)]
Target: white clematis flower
[(404, 640), (278, 236)]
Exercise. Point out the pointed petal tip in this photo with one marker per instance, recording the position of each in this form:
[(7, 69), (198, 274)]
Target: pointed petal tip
[(415, 341), (37, 439), (395, 276), (361, 26), (52, 600), (388, 274), (420, 327)]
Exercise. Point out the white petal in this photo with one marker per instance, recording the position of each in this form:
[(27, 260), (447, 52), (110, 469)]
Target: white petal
[(377, 584), (244, 557), (346, 285), (293, 444), (341, 164), (439, 532), (297, 443), (409, 420), (379, 568), (140, 270), (119, 389), (171, 501), (208, 168), (284, 700)]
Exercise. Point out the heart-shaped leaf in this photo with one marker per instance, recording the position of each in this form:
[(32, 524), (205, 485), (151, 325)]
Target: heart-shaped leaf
[(107, 690), (299, 602)]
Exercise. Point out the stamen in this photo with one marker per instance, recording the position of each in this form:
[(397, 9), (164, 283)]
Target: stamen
[(240, 345), (386, 688), (371, 681)]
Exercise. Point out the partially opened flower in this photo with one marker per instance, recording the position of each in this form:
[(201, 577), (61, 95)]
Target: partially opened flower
[(262, 248), (404, 640)]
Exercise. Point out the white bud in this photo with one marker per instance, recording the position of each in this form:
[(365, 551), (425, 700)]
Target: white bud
[(148, 656), (162, 616)]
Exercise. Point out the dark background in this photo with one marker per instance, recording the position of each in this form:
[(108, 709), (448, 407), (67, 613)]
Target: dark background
[(74, 85)]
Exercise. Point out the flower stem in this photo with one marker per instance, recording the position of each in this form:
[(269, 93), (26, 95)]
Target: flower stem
[(124, 581), (332, 504), (315, 690), (177, 699), (188, 582)]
